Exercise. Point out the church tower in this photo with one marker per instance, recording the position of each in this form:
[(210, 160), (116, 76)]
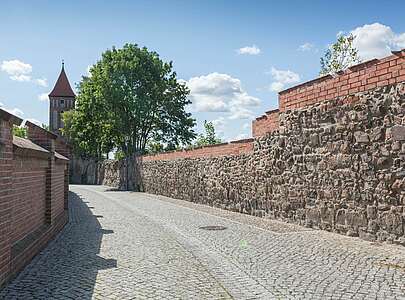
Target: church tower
[(61, 99)]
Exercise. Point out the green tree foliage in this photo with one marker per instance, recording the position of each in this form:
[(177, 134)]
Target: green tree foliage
[(88, 127), (20, 131), (154, 146), (130, 98), (341, 55), (209, 138)]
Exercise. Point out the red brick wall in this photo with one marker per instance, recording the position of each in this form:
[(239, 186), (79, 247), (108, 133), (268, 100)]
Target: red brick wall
[(266, 123), (62, 147), (58, 182), (359, 78), (41, 137), (232, 148), (28, 205), (33, 195), (6, 173), (5, 197), (46, 140)]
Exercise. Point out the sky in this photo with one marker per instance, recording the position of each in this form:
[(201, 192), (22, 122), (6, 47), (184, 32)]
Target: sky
[(235, 56)]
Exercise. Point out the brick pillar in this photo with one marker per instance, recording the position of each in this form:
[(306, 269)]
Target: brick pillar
[(6, 172), (63, 147), (66, 187), (45, 139)]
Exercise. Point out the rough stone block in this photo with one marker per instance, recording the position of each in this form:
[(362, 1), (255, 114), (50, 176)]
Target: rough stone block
[(398, 133), (361, 137)]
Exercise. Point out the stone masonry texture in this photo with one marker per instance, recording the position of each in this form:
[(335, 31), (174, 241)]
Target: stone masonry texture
[(338, 165), (331, 157), (359, 78)]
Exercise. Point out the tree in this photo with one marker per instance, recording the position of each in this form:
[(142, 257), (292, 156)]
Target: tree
[(341, 55), (131, 97), (87, 127), (209, 138), (20, 131), (154, 146)]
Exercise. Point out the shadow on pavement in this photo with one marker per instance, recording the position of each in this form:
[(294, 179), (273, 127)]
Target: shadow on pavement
[(69, 266)]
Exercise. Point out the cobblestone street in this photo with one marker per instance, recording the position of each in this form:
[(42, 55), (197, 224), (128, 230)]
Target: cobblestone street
[(123, 245)]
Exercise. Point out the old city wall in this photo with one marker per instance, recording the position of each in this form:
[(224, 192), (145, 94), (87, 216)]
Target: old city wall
[(339, 166), (359, 78), (332, 157), (33, 194)]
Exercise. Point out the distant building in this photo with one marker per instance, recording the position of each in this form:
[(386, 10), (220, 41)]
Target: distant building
[(61, 99)]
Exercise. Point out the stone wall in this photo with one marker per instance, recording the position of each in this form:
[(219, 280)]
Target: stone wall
[(338, 165), (83, 171), (331, 157), (359, 78)]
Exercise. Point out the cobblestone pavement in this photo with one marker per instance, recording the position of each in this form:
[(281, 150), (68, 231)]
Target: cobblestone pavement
[(122, 245)]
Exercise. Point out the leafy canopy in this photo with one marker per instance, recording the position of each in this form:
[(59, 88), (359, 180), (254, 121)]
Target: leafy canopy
[(130, 98), (209, 138), (341, 55)]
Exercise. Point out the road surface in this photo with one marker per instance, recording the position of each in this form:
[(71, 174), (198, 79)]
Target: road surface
[(125, 245)]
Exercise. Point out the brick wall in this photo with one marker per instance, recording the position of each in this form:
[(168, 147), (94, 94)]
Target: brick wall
[(266, 123), (33, 194), (232, 148), (357, 79), (6, 160), (58, 201), (28, 187), (62, 147)]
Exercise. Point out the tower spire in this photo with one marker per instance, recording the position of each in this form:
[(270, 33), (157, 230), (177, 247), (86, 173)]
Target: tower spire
[(62, 86)]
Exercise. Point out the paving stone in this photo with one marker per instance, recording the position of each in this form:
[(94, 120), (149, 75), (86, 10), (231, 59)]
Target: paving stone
[(151, 247)]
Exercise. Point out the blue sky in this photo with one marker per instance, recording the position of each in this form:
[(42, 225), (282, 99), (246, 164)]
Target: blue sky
[(234, 55)]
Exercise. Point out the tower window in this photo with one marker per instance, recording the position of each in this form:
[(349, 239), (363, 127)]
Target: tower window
[(62, 103)]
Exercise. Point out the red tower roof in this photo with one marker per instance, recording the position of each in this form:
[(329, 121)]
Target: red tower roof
[(62, 87)]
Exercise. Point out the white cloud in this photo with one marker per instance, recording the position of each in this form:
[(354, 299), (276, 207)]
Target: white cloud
[(20, 71), (241, 114), (246, 126), (43, 97), (282, 78), (20, 78), (1, 104), (249, 50), (41, 82), (377, 40), (219, 123), (306, 47), (276, 86), (340, 32), (217, 92), (17, 70)]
